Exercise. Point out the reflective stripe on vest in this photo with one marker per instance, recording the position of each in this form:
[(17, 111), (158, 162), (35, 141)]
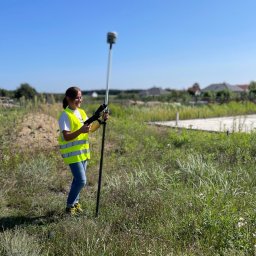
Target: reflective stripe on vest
[(73, 143), (76, 153)]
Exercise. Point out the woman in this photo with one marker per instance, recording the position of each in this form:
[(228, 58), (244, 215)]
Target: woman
[(74, 144)]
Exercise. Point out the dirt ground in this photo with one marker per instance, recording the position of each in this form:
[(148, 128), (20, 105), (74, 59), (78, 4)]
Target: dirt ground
[(37, 131)]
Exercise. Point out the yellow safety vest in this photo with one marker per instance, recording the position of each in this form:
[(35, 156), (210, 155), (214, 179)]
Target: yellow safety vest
[(75, 150)]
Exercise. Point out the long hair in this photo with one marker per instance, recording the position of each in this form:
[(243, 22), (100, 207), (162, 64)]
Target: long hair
[(71, 92)]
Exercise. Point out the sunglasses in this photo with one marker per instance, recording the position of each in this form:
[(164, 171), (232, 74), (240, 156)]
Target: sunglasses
[(79, 98)]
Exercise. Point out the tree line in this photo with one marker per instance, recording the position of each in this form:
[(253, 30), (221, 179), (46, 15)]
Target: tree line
[(193, 93), (26, 91)]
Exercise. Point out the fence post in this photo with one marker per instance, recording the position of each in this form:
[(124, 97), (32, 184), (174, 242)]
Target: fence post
[(177, 118)]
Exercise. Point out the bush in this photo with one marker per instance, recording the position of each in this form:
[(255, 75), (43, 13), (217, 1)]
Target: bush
[(25, 90)]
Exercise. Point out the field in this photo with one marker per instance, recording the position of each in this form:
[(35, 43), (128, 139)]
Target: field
[(165, 191)]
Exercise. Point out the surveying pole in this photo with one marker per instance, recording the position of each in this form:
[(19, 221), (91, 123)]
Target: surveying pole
[(111, 39)]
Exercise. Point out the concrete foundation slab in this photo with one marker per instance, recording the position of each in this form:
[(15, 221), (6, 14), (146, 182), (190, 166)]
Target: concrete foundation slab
[(246, 123)]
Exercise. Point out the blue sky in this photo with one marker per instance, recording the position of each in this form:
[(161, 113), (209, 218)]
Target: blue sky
[(54, 44)]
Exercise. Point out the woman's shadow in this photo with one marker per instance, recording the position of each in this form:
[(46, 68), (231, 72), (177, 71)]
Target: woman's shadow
[(12, 222)]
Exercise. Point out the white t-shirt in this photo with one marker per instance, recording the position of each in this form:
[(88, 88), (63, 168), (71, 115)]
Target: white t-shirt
[(64, 123)]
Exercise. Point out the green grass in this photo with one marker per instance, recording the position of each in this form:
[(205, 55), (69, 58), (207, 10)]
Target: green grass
[(164, 191), (166, 112)]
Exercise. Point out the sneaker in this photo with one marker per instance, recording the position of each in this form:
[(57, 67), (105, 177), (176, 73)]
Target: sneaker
[(78, 208), (71, 211)]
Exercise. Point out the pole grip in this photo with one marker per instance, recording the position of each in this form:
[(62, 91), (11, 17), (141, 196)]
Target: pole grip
[(96, 114)]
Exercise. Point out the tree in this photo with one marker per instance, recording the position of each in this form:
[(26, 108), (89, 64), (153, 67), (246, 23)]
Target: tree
[(25, 90), (3, 93), (252, 89), (252, 86), (6, 93), (209, 96), (223, 96)]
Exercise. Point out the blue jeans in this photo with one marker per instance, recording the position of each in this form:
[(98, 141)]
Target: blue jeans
[(79, 180)]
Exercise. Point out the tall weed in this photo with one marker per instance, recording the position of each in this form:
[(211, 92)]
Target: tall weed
[(18, 242)]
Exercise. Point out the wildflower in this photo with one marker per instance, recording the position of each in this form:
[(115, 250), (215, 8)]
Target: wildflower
[(6, 158), (201, 196), (241, 222)]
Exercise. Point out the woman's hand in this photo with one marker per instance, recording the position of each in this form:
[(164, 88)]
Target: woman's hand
[(105, 116), (85, 128)]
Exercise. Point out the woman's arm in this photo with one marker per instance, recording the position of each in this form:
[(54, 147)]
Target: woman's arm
[(72, 135)]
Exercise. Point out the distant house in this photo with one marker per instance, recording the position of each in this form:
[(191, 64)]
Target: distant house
[(244, 87), (154, 91), (94, 95), (222, 87)]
